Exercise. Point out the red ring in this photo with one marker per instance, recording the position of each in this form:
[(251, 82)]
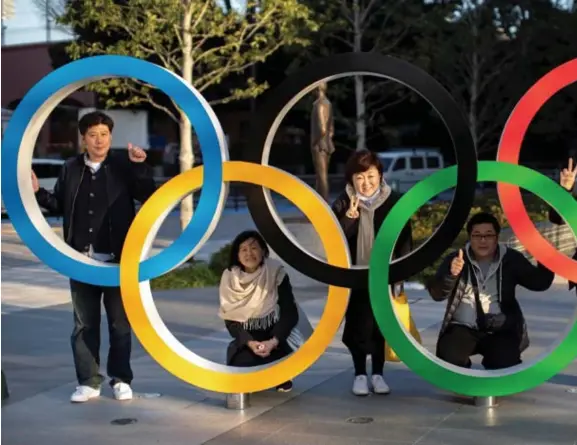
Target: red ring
[(509, 150)]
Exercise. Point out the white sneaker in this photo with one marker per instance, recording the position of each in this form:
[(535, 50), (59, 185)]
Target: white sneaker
[(361, 386), (379, 385), (122, 391), (84, 394)]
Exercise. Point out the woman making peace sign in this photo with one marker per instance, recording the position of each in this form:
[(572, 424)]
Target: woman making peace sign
[(567, 181), (361, 209)]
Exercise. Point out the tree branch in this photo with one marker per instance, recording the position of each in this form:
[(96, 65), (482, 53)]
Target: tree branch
[(142, 91), (347, 13), (365, 13)]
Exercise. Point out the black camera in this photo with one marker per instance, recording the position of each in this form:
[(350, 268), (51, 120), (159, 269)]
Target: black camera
[(495, 322)]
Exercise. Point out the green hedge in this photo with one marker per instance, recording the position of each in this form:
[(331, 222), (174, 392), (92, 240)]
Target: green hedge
[(195, 273)]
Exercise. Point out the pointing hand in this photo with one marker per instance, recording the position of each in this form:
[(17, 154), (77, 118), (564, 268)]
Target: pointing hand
[(136, 154)]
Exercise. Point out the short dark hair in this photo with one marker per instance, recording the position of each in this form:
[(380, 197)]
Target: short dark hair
[(483, 218), (241, 238), (93, 119), (361, 161)]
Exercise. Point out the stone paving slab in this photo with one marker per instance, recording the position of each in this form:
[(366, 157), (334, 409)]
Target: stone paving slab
[(180, 412), (414, 413), (316, 412)]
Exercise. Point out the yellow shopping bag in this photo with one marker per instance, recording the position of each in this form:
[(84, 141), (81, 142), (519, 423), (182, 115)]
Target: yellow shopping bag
[(403, 311)]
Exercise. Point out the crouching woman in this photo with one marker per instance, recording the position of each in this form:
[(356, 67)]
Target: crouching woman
[(257, 306)]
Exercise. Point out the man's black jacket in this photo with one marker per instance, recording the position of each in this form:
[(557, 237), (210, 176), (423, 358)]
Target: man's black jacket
[(126, 182)]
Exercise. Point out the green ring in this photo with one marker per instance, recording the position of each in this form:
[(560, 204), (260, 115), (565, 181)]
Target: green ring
[(442, 374)]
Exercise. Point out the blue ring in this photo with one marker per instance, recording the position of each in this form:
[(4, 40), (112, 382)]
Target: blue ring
[(201, 117)]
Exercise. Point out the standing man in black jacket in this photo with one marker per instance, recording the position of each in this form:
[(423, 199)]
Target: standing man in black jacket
[(95, 195)]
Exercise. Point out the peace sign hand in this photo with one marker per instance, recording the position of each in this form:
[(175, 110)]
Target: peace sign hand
[(353, 211), (568, 176)]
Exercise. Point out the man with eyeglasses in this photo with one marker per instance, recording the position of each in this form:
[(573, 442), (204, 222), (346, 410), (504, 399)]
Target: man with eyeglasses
[(483, 315)]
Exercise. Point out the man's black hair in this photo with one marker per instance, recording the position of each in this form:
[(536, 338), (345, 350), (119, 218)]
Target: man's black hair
[(93, 119), (483, 218)]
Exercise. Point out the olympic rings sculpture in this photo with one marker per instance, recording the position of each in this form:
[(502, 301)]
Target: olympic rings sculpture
[(133, 275)]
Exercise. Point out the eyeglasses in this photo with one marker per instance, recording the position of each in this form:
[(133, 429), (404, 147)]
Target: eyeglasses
[(488, 237)]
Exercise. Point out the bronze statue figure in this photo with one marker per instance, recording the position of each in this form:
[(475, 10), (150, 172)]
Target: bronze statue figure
[(322, 131)]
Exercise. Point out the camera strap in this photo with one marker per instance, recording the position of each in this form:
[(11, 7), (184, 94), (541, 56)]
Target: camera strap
[(481, 324)]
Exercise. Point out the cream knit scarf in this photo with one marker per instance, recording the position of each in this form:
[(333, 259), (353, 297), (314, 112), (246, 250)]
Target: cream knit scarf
[(366, 231), (251, 298)]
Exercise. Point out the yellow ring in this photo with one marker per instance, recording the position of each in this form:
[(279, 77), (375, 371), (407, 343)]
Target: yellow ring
[(151, 330)]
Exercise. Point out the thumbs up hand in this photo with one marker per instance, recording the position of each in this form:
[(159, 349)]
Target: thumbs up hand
[(457, 264)]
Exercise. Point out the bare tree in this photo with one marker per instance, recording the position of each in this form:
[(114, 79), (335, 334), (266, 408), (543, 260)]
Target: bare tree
[(380, 26), (476, 64)]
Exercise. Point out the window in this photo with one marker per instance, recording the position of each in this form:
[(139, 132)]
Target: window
[(45, 171), (42, 171), (386, 163), (400, 164), (433, 162), (417, 163)]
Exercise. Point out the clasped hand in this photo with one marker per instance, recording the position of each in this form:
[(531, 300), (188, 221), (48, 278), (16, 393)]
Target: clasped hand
[(263, 348)]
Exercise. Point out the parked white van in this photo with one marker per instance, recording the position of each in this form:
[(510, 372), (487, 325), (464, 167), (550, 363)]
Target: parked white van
[(47, 171), (403, 168)]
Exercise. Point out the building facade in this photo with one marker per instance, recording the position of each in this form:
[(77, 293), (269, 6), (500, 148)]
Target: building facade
[(23, 67)]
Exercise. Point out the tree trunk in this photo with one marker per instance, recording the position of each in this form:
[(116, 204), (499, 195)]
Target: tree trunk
[(186, 157), (474, 87), (360, 105), (359, 84), (474, 97)]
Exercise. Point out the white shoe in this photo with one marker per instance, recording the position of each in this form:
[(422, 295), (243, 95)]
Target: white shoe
[(84, 394), (361, 386), (122, 391), (379, 385)]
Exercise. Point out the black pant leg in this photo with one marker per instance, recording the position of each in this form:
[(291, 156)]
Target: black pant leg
[(360, 363), (378, 354), (457, 344), (85, 339), (120, 334), (500, 350)]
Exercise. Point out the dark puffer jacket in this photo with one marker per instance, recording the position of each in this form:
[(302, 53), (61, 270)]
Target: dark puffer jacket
[(516, 270)]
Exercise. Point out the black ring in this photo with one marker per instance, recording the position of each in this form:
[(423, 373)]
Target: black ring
[(414, 78)]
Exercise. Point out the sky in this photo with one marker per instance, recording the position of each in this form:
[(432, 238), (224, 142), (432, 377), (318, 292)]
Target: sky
[(28, 25)]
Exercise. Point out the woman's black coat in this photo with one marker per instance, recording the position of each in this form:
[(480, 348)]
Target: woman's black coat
[(361, 328)]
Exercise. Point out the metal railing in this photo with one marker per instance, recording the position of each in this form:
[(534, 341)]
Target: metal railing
[(559, 236)]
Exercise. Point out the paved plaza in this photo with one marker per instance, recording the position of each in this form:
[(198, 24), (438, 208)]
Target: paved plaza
[(36, 357)]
